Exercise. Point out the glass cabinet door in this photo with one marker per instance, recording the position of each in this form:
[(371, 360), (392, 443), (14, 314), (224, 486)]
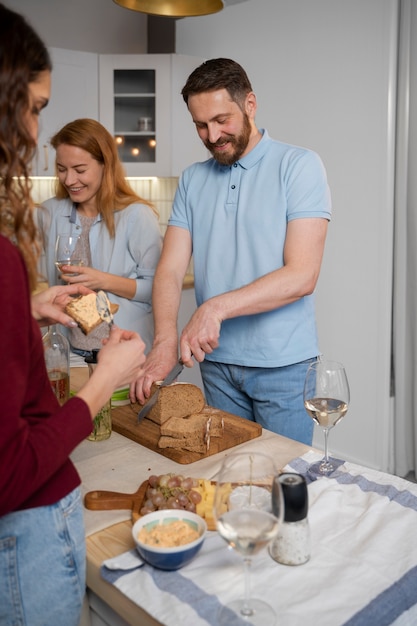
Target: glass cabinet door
[(135, 94), (141, 105), (134, 114)]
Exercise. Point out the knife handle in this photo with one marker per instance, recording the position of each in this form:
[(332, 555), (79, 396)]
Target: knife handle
[(174, 373)]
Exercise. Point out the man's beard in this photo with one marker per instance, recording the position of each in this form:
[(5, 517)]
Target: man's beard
[(239, 144)]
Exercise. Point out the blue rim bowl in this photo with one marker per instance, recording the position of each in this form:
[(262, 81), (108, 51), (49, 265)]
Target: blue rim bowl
[(175, 557)]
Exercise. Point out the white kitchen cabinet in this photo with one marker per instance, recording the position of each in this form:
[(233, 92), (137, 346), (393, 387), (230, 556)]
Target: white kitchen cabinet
[(141, 104), (74, 94)]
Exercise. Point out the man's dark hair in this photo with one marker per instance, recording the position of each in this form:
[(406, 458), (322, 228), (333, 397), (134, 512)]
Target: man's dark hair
[(218, 74)]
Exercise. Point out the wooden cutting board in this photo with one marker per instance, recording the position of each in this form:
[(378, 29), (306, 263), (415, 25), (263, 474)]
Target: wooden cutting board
[(236, 430)]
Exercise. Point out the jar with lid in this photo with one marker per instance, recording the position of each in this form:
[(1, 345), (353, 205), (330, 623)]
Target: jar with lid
[(292, 544), (57, 361), (102, 425)]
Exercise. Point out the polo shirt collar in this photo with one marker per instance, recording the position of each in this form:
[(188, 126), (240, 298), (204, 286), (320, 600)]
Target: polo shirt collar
[(257, 153)]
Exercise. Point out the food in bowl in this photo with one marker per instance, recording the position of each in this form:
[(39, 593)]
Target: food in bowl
[(167, 535), (175, 556)]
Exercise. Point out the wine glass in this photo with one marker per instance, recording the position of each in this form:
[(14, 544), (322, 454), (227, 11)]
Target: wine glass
[(68, 252), (248, 517), (326, 399)]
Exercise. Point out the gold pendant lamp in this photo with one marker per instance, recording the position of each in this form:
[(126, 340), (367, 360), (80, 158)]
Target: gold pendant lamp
[(173, 8)]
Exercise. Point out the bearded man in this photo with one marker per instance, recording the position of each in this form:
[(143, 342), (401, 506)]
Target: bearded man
[(254, 218)]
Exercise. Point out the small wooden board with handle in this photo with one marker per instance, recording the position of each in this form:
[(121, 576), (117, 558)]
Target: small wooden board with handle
[(112, 500)]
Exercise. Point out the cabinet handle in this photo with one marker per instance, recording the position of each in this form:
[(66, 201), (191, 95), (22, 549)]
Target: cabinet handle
[(45, 158)]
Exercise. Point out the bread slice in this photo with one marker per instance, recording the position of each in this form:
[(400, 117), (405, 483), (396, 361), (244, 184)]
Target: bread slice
[(192, 445), (193, 432), (208, 422), (176, 400), (84, 311)]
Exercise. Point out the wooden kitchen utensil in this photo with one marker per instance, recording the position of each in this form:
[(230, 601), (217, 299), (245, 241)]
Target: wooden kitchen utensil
[(113, 500)]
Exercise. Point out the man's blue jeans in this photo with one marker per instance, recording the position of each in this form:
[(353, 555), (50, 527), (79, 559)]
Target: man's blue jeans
[(273, 397)]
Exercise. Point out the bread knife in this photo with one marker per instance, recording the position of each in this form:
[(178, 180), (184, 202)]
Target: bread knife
[(176, 370)]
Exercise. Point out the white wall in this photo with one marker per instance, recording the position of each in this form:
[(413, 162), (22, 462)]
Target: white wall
[(87, 25), (324, 75)]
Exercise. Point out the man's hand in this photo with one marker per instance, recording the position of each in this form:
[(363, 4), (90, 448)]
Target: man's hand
[(201, 335), (160, 360)]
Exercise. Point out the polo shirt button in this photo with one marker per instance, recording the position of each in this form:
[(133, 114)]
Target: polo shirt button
[(234, 164), (233, 186)]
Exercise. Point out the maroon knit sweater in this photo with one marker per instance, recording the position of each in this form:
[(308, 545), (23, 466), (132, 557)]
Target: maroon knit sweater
[(36, 434)]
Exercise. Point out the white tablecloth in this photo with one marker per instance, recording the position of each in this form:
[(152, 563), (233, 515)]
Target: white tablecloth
[(362, 570)]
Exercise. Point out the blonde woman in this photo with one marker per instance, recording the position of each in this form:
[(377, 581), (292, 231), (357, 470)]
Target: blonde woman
[(120, 241)]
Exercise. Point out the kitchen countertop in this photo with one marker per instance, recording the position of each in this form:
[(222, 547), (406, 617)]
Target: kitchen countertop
[(119, 464), (363, 565)]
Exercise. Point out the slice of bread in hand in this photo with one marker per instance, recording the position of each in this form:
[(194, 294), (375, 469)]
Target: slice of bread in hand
[(84, 311), (176, 400)]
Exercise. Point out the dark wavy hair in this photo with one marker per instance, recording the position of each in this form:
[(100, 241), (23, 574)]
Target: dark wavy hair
[(218, 74), (23, 55), (115, 193)]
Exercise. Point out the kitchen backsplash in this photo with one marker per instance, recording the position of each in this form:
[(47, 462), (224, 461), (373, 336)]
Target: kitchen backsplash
[(160, 191)]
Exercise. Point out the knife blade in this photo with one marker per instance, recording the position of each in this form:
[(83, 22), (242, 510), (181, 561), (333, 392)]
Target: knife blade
[(103, 307), (169, 378)]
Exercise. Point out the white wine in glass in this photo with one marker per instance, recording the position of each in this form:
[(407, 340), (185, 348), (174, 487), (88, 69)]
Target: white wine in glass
[(68, 252), (247, 521), (326, 399)]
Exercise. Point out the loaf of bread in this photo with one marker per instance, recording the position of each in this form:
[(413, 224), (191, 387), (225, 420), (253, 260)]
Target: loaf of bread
[(193, 432), (84, 311), (176, 400)]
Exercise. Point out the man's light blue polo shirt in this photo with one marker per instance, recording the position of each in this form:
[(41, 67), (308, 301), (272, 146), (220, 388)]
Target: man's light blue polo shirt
[(237, 216)]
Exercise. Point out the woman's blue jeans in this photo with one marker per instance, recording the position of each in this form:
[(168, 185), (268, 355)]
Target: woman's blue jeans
[(42, 564), (271, 396)]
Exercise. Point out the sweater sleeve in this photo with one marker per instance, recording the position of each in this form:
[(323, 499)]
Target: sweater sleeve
[(36, 434)]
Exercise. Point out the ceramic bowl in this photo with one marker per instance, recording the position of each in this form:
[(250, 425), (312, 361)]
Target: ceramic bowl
[(174, 557)]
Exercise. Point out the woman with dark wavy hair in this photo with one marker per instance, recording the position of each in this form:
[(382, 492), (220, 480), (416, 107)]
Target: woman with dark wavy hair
[(42, 544)]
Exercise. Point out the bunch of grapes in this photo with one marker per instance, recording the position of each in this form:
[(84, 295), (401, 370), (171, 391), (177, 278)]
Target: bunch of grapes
[(170, 491)]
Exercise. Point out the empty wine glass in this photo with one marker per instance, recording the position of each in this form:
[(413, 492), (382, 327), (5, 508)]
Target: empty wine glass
[(247, 521), (68, 252), (326, 399)]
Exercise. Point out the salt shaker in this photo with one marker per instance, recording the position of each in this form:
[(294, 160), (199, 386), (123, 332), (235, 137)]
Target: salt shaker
[(292, 544)]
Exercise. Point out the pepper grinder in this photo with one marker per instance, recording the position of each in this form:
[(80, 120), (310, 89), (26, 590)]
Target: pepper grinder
[(292, 544)]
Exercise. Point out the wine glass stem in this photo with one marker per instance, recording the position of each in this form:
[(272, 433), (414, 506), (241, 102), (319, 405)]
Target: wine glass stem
[(246, 609), (326, 444)]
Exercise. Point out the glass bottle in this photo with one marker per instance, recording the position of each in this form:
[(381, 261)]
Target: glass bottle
[(57, 360), (102, 421)]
